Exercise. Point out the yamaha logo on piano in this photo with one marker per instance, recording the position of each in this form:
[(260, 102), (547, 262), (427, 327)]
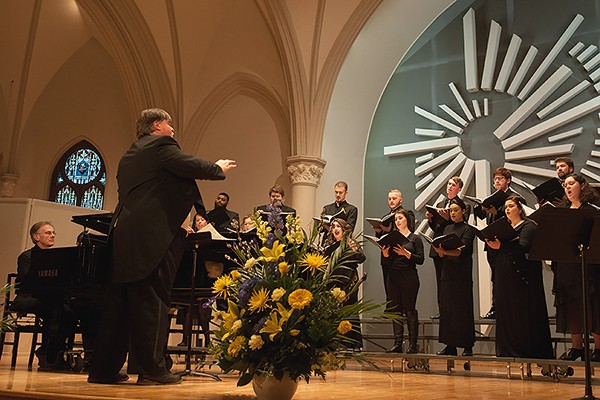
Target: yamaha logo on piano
[(48, 273)]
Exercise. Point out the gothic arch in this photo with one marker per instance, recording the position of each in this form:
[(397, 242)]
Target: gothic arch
[(239, 83)]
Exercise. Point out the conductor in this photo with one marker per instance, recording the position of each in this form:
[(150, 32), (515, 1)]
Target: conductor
[(156, 191)]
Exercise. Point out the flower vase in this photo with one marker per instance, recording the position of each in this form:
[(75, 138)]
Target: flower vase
[(270, 388)]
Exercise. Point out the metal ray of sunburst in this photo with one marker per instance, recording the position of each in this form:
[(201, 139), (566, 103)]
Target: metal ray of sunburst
[(526, 169), (557, 121), (454, 115), (508, 63), (461, 101), (491, 55), (539, 152), (434, 118), (437, 161), (533, 102), (522, 70), (556, 49), (565, 135), (419, 147), (580, 87), (590, 174)]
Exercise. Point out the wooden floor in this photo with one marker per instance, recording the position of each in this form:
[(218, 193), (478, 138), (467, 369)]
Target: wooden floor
[(484, 381)]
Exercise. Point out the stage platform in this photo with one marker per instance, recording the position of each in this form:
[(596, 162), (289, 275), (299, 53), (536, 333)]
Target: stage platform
[(485, 380)]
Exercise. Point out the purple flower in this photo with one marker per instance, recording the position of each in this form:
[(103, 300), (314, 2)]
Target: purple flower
[(245, 289)]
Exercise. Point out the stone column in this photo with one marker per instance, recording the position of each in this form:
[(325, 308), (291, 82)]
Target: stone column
[(305, 174), (8, 183)]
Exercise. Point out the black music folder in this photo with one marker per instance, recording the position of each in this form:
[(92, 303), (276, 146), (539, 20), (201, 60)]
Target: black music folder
[(448, 242), (495, 200), (501, 229), (437, 219), (380, 223), (550, 190), (389, 239)]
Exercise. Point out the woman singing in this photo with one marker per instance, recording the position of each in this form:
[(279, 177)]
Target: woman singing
[(346, 276), (568, 288), (403, 282), (522, 328), (457, 325)]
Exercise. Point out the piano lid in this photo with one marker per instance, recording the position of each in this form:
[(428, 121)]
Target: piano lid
[(97, 222)]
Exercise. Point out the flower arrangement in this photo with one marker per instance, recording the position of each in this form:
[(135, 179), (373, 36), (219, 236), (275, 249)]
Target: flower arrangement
[(286, 313)]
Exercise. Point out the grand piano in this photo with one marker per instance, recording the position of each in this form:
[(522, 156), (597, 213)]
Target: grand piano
[(76, 271)]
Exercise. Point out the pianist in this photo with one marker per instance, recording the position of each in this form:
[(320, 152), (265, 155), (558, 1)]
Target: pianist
[(58, 321)]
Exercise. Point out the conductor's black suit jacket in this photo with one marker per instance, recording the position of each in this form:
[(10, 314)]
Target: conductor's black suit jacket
[(157, 189)]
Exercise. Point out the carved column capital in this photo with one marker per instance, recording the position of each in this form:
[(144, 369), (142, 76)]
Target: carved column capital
[(305, 170), (8, 183)]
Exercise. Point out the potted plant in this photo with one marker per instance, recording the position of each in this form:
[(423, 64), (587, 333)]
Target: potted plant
[(286, 316)]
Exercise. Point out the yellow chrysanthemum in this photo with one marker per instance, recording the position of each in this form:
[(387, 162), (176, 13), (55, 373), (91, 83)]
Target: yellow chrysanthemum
[(278, 294), (236, 346), (344, 327), (274, 253), (283, 268), (259, 300), (235, 275), (221, 286), (256, 342), (338, 294), (313, 262), (300, 298)]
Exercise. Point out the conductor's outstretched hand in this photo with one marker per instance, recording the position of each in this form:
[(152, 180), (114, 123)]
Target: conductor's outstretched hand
[(226, 165)]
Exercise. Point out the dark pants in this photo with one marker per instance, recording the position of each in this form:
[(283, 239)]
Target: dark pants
[(135, 320), (437, 263)]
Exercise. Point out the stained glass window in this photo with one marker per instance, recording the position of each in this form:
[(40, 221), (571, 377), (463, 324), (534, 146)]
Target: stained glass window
[(79, 177)]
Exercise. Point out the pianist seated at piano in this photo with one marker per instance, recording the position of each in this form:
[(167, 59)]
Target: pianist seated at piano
[(58, 320)]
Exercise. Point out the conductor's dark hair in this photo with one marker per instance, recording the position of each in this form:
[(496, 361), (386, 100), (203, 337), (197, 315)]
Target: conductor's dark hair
[(147, 118)]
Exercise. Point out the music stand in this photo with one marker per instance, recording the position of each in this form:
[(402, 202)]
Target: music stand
[(563, 235), (195, 239)]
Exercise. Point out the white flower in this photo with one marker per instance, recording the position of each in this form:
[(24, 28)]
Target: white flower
[(278, 294), (236, 325), (256, 342), (250, 263)]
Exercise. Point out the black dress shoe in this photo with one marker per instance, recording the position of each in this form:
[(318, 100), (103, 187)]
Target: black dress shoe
[(118, 378), (397, 348), (436, 316), (412, 349), (448, 351), (595, 356), (167, 379), (572, 354), (489, 315), (468, 351)]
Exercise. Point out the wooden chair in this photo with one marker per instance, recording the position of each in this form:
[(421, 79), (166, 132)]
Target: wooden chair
[(22, 323)]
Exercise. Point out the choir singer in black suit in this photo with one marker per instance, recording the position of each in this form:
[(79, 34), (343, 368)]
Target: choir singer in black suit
[(157, 189)]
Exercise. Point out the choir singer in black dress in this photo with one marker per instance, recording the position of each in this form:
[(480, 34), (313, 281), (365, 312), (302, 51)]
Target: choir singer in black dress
[(457, 324), (568, 288), (522, 328), (403, 282)]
